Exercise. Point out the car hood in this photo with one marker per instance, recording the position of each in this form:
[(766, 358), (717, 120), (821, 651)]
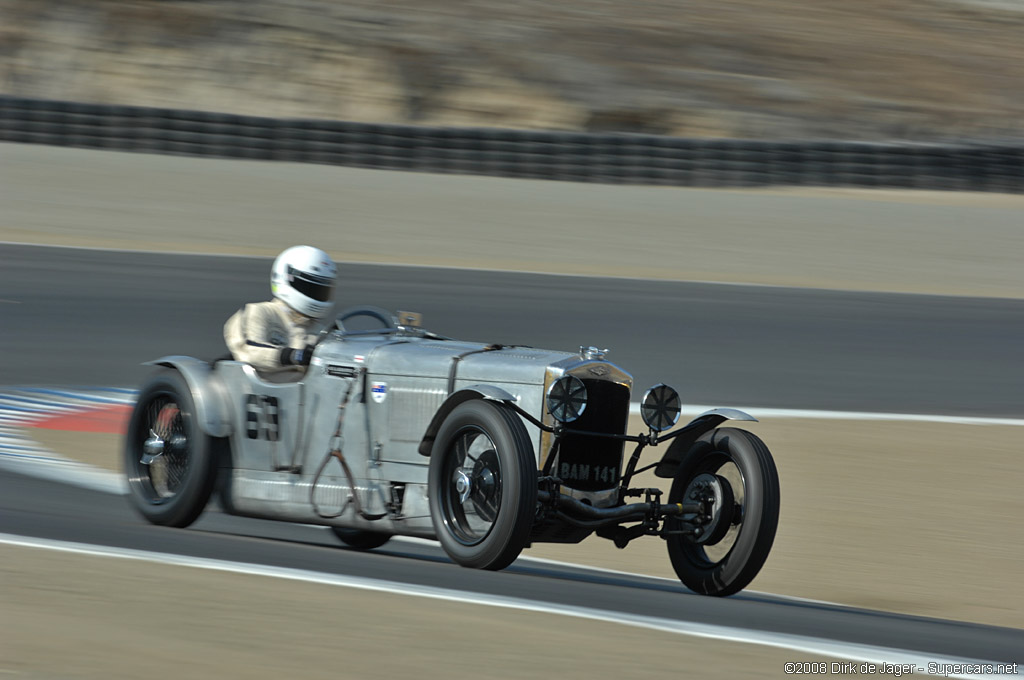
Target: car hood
[(474, 362)]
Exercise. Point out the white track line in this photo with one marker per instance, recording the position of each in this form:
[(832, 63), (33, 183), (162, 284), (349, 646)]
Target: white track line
[(37, 463), (73, 402), (764, 412), (819, 646)]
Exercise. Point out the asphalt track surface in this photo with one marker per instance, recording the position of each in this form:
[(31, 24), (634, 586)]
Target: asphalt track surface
[(33, 507), (83, 317), (80, 317)]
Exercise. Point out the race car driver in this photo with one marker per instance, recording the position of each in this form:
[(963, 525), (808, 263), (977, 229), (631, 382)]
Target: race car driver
[(277, 337)]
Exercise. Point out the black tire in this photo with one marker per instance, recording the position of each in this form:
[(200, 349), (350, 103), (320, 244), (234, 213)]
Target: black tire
[(361, 539), (488, 524), (174, 489), (734, 563)]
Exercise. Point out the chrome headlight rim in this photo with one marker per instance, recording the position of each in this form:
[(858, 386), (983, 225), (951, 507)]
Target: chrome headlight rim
[(661, 407), (566, 399)]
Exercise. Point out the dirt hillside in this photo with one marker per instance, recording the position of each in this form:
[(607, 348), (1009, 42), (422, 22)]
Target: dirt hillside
[(874, 69)]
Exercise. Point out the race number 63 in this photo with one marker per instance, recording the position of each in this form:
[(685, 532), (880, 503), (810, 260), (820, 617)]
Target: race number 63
[(261, 417)]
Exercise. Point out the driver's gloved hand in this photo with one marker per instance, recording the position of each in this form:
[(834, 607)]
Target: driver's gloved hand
[(290, 356)]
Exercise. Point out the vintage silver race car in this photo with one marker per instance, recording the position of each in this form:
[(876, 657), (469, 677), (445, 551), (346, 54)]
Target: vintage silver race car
[(486, 448)]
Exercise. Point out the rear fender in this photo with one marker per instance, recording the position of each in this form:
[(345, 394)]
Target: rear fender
[(694, 430), (473, 392), (208, 393)]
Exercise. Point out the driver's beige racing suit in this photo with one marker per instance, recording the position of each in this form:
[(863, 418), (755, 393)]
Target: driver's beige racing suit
[(267, 334)]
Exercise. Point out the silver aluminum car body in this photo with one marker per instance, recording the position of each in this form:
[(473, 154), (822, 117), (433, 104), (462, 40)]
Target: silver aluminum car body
[(486, 448), (392, 390)]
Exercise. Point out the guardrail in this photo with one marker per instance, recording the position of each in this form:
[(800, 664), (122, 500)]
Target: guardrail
[(571, 156)]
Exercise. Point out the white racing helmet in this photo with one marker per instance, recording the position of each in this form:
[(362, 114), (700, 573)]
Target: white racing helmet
[(303, 278)]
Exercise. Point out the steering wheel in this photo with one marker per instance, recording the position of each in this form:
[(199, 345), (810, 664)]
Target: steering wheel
[(386, 320)]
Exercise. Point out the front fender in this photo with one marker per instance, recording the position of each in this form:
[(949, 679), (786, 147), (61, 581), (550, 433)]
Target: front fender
[(472, 392), (694, 430), (208, 393)]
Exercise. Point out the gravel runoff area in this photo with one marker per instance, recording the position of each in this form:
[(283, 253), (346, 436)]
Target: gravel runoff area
[(125, 619), (867, 517), (920, 242)]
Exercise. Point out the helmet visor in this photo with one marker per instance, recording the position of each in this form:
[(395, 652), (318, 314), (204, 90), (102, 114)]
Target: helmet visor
[(319, 288)]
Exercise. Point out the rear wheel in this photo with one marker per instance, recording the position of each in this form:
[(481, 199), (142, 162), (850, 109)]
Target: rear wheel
[(168, 460), (483, 485), (360, 539), (735, 468)]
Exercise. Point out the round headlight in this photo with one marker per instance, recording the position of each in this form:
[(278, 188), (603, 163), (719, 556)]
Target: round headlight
[(567, 399), (660, 408)]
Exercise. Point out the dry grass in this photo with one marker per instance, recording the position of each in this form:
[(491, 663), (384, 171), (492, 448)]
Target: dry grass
[(744, 68)]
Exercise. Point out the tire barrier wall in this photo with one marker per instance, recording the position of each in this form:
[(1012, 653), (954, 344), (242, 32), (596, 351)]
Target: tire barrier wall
[(570, 156)]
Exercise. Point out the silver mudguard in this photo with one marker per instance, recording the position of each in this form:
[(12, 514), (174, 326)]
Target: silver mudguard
[(208, 393), (727, 414), (705, 422), (472, 392)]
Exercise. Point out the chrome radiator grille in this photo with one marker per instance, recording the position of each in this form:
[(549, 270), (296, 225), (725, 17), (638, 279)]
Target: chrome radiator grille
[(594, 463)]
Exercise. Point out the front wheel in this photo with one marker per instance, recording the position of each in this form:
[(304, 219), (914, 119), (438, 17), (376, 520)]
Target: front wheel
[(735, 468), (483, 485), (168, 460)]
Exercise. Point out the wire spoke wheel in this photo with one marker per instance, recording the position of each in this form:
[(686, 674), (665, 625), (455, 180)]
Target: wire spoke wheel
[(734, 470), (472, 497), (167, 471), (168, 461), (482, 485)]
